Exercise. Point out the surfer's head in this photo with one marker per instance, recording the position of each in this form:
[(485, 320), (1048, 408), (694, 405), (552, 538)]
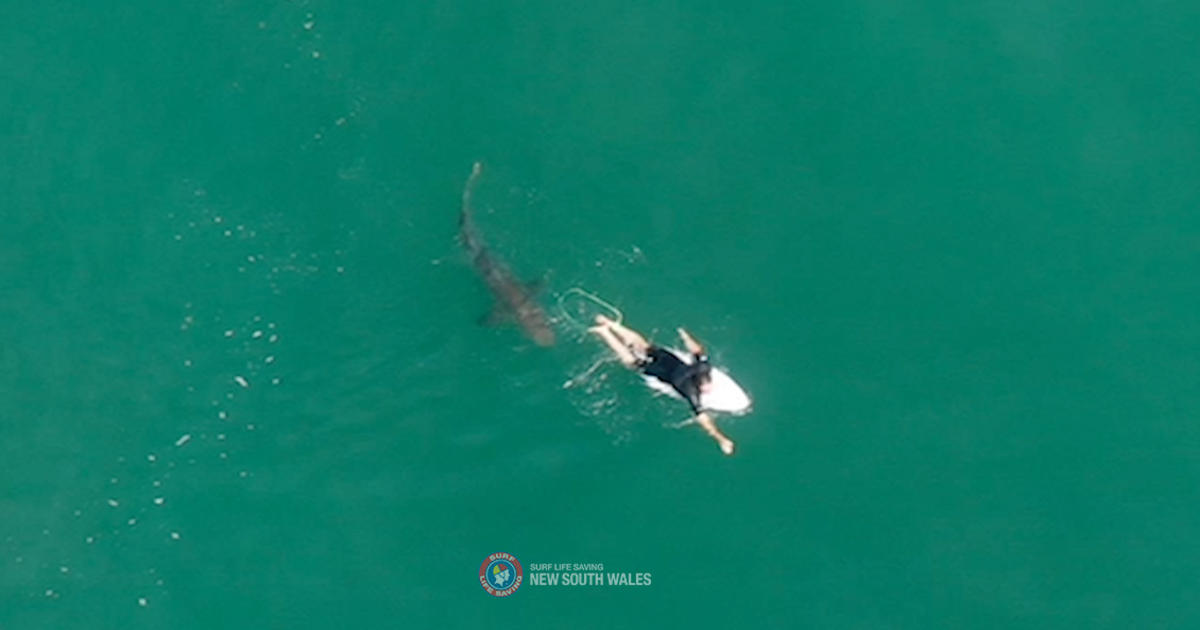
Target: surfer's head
[(704, 374)]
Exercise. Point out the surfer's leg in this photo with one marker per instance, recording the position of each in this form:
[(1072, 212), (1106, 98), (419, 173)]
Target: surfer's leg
[(710, 427), (632, 339), (623, 353)]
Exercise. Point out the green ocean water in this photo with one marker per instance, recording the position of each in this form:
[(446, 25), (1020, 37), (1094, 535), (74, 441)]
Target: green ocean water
[(952, 251)]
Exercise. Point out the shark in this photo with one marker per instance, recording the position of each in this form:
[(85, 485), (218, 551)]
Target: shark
[(515, 300)]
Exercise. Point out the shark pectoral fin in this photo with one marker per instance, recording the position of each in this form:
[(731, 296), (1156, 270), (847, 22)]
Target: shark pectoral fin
[(499, 314), (534, 287)]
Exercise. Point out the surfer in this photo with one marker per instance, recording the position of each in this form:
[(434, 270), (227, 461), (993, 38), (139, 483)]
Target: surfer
[(689, 379)]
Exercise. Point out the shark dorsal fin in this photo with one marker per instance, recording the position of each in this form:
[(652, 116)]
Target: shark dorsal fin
[(500, 314)]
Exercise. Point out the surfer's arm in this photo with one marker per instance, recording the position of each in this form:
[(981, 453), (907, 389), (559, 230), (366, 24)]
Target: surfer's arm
[(693, 346), (710, 427)]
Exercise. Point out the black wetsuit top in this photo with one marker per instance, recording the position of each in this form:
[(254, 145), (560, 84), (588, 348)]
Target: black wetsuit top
[(683, 377)]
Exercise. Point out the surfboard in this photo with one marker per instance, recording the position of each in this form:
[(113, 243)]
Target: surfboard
[(725, 395)]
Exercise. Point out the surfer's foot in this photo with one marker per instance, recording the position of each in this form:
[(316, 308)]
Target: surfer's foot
[(623, 353), (601, 324), (632, 340)]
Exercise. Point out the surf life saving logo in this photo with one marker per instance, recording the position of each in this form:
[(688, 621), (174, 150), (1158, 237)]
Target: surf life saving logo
[(500, 574)]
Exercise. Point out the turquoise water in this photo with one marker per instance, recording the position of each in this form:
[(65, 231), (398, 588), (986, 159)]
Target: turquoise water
[(951, 250)]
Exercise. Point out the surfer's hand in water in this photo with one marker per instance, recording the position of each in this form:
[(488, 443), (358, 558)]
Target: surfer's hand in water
[(710, 427)]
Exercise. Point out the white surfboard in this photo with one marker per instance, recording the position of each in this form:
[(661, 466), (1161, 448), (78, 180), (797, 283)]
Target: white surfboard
[(724, 395)]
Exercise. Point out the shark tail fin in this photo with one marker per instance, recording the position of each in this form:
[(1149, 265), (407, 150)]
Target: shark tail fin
[(469, 191)]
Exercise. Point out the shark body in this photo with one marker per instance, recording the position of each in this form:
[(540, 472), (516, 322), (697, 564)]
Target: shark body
[(514, 299)]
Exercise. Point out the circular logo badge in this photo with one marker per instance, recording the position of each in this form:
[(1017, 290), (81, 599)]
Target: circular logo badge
[(500, 574)]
